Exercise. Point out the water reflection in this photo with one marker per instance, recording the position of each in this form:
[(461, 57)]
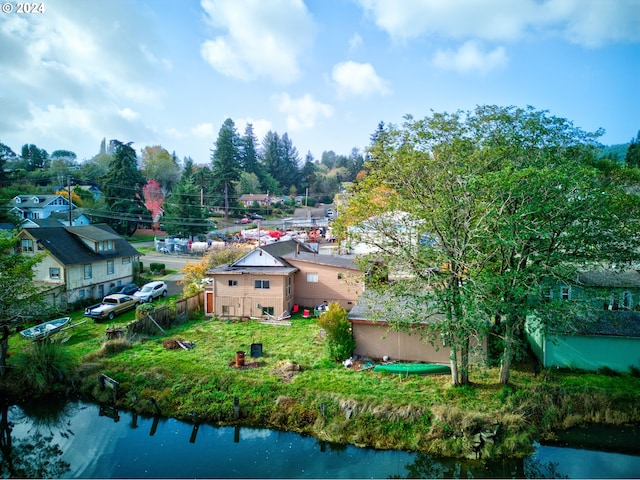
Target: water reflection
[(90, 441)]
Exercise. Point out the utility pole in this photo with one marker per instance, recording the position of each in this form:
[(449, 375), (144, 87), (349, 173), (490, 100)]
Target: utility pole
[(69, 192)]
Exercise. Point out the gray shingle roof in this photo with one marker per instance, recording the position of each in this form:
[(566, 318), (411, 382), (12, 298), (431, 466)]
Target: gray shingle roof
[(64, 243)]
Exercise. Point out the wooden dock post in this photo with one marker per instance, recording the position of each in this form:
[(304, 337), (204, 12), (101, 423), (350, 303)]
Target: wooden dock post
[(108, 382)]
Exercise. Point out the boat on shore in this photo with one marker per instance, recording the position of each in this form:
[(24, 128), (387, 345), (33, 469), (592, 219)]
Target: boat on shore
[(44, 330), (413, 368)]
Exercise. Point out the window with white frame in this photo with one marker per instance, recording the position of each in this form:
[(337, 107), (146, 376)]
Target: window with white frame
[(88, 271), (565, 293), (312, 277), (264, 284), (546, 294), (54, 273), (287, 287), (126, 260), (26, 244), (110, 269), (233, 283)]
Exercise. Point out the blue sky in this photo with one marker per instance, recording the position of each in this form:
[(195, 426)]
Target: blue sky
[(326, 72)]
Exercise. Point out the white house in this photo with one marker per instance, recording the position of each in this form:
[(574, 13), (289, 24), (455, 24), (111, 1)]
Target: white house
[(82, 262)]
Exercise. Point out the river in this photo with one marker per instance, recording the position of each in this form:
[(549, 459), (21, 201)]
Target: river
[(83, 440)]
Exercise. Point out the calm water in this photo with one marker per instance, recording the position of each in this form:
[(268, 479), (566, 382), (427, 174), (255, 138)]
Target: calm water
[(82, 440)]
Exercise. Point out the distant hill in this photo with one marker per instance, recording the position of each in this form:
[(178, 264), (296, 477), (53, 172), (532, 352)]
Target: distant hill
[(618, 151)]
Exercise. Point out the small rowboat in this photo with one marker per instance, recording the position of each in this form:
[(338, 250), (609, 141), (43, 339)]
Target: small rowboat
[(413, 368), (43, 330)]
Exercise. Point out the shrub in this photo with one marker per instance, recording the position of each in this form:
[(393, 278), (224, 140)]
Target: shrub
[(340, 342), (44, 365), (157, 267), (144, 309)]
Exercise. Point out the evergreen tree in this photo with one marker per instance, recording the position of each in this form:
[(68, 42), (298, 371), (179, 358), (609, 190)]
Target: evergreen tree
[(248, 152), (122, 185), (183, 213), (225, 160), (632, 158)]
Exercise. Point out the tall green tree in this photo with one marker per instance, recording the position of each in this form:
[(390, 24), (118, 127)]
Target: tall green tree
[(159, 165), (19, 296), (248, 152), (632, 157), (499, 201), (225, 159), (34, 157), (123, 201), (183, 213)]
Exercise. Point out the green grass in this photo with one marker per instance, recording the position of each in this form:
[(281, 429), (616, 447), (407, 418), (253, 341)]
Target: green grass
[(360, 407)]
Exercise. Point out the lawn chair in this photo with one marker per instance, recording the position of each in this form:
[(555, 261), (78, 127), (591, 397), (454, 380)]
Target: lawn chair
[(306, 314)]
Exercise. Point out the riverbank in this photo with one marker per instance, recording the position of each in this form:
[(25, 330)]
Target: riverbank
[(293, 386)]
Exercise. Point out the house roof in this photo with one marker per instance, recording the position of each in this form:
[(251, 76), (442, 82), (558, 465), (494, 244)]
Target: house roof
[(610, 279), (66, 246), (36, 201), (284, 247), (381, 307), (616, 323), (342, 261)]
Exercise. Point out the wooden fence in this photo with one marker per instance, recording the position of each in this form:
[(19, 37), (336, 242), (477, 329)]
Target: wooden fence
[(166, 316)]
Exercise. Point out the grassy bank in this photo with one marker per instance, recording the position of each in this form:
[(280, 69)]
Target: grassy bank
[(294, 386)]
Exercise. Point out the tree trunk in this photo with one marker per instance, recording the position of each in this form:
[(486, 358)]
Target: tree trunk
[(507, 354), (464, 374), (4, 348), (453, 358)]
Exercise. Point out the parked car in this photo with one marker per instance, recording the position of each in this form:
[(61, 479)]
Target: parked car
[(127, 289), (255, 216), (245, 220), (111, 306), (152, 290)]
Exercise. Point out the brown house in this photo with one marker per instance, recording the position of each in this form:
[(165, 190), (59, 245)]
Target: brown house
[(271, 279), (375, 338)]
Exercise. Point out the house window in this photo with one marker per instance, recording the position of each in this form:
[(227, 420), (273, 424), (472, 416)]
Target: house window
[(287, 287), (81, 293), (54, 273), (564, 293), (233, 283), (88, 271), (546, 294), (126, 260), (109, 267), (626, 300), (225, 310), (267, 310), (100, 291), (27, 245), (105, 245), (261, 284), (312, 277)]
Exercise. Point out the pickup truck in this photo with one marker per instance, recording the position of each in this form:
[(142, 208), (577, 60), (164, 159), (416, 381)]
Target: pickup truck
[(111, 306)]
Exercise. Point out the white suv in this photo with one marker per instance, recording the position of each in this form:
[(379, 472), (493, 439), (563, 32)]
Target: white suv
[(152, 290)]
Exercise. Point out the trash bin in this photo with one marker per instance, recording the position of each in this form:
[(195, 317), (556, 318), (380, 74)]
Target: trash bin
[(256, 350), (239, 359)]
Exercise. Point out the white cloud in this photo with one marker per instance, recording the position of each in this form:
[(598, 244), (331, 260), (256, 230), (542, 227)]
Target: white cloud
[(205, 130), (358, 79), (76, 67), (261, 39), (470, 58), (585, 22), (260, 126), (355, 42), (302, 113), (128, 114)]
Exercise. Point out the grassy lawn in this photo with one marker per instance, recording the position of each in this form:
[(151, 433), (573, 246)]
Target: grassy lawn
[(293, 385)]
